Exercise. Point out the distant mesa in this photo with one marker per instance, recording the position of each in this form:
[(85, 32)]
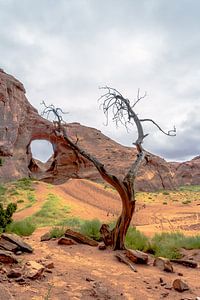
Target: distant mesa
[(20, 124)]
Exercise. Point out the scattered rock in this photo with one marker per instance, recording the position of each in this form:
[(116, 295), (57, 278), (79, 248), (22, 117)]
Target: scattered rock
[(102, 246), (49, 265), (66, 241), (6, 245), (89, 279), (14, 273), (45, 237), (80, 238), (136, 256), (163, 264), (33, 270), (7, 257), (15, 239), (179, 285)]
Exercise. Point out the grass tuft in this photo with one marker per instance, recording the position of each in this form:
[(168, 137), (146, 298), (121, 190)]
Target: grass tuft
[(23, 228), (91, 229), (136, 240)]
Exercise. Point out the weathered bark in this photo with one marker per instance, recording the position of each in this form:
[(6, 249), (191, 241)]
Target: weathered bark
[(186, 263), (80, 238), (123, 112)]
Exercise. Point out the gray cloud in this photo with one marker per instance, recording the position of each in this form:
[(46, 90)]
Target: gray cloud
[(64, 50)]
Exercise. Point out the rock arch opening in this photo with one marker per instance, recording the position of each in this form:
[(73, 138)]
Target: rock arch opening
[(42, 150)]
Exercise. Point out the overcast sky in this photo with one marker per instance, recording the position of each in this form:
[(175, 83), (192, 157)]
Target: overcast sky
[(63, 50)]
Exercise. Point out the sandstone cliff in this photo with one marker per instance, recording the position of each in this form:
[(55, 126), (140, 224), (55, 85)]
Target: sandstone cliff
[(20, 124)]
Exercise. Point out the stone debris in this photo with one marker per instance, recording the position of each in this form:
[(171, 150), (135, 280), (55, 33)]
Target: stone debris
[(66, 241), (163, 264), (33, 270), (7, 257), (18, 244), (179, 285)]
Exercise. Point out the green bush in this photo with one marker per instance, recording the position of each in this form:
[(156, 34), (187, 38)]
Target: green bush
[(23, 227), (1, 162), (74, 223), (167, 244), (136, 240), (6, 214), (24, 184), (91, 229), (165, 193), (57, 232)]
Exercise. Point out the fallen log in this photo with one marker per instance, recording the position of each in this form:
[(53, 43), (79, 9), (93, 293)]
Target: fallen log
[(80, 238), (122, 258), (186, 263), (136, 256)]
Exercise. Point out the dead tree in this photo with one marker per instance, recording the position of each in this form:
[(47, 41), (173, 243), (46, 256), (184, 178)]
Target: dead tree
[(122, 112)]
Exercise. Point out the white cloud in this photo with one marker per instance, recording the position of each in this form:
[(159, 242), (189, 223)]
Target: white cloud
[(64, 50)]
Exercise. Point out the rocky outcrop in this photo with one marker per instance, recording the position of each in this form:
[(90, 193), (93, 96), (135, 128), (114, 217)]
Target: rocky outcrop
[(20, 124), (187, 173)]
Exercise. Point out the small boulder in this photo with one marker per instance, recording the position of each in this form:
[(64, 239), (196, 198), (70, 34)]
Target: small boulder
[(102, 246), (66, 241), (49, 265), (14, 273), (33, 270), (15, 239), (45, 237), (7, 257), (179, 285), (163, 264)]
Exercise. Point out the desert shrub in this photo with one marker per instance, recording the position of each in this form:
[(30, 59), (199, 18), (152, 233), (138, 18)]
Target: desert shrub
[(74, 223), (6, 214), (165, 193), (167, 244), (2, 190), (191, 242), (20, 201), (23, 227), (24, 184), (136, 240), (91, 229), (186, 201), (57, 232)]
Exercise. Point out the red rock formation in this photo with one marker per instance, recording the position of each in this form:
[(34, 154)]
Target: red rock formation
[(187, 173), (20, 124)]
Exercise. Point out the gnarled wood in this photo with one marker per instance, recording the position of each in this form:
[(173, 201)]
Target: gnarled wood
[(80, 238), (186, 263), (123, 113)]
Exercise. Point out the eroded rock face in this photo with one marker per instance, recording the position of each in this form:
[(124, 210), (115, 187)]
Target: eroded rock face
[(20, 124)]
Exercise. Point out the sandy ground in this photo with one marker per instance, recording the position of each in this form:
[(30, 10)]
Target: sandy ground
[(84, 272), (89, 200)]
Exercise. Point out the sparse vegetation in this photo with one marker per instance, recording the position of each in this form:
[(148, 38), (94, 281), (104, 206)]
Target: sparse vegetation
[(169, 244), (91, 229), (23, 228), (6, 215), (57, 232), (136, 240), (51, 213)]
